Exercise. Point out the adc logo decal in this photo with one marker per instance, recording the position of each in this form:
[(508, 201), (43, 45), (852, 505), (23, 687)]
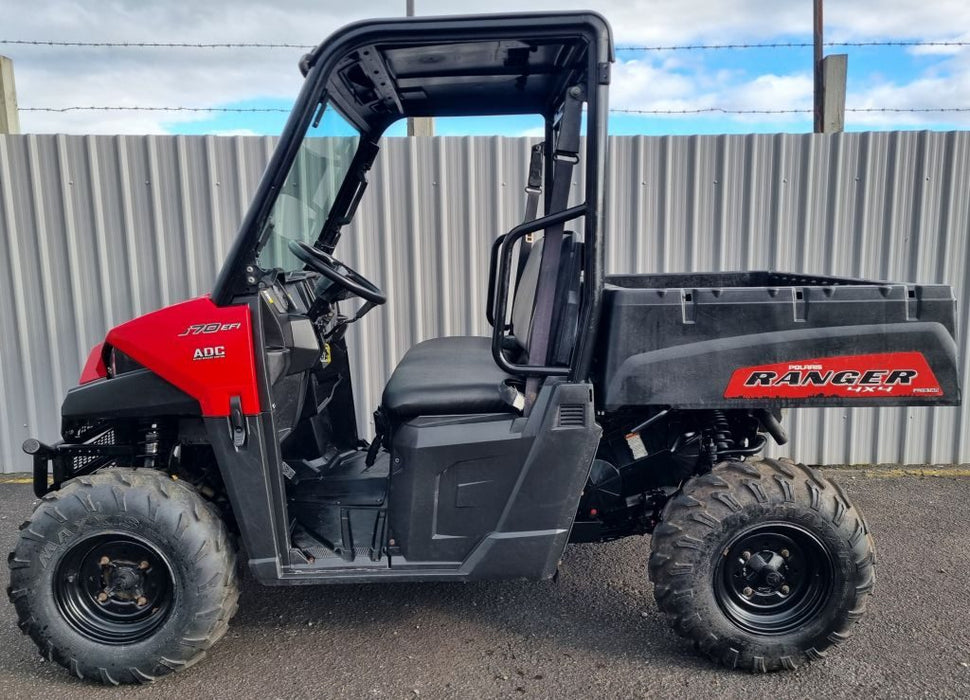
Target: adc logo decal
[(216, 352)]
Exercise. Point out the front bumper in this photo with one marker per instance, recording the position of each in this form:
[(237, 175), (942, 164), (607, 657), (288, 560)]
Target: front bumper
[(55, 464)]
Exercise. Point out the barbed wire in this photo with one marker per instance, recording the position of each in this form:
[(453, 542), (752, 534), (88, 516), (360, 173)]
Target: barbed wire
[(659, 47), (285, 110), (127, 108), (790, 45), (153, 44), (727, 110)]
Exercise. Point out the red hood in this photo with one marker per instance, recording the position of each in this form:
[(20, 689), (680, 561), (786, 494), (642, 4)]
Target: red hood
[(203, 349)]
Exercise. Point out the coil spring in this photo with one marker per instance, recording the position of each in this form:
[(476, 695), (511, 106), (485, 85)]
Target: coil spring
[(721, 432), (150, 446)]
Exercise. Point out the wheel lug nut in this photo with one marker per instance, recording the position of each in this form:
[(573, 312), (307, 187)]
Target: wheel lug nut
[(785, 590), (143, 565), (746, 555), (104, 561), (785, 554), (102, 597), (747, 592), (142, 601)]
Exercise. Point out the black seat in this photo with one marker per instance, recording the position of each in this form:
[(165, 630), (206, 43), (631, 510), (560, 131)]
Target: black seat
[(446, 376), (458, 375)]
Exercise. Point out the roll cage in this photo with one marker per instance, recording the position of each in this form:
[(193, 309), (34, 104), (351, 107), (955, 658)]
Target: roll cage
[(378, 72)]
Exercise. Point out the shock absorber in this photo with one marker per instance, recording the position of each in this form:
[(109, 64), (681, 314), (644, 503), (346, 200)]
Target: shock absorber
[(721, 433), (151, 446), (721, 443)]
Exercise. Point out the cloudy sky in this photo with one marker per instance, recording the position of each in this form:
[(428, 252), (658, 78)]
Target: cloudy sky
[(899, 78)]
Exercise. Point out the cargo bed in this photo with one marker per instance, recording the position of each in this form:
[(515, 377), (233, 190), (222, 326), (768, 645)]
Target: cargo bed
[(761, 339)]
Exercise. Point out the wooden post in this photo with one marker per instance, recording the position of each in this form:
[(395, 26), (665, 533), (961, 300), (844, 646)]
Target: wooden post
[(9, 118), (834, 69)]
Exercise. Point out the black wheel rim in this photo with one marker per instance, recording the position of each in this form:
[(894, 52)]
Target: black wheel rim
[(773, 578), (114, 588)]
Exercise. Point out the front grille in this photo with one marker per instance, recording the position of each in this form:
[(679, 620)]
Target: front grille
[(572, 414), (79, 462)]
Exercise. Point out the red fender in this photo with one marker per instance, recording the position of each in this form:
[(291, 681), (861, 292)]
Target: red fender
[(203, 349)]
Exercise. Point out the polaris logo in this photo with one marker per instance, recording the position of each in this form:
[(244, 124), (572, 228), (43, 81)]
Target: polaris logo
[(212, 353), (816, 377)]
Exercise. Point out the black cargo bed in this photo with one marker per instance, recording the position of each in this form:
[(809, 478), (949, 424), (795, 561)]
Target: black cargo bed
[(755, 339)]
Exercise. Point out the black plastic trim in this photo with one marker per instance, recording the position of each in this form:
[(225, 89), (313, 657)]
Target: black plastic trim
[(135, 394)]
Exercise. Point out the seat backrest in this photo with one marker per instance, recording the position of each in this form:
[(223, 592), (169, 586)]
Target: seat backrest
[(565, 312), (524, 299)]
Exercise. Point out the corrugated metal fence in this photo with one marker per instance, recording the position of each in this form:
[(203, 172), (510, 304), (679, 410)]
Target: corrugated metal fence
[(96, 229)]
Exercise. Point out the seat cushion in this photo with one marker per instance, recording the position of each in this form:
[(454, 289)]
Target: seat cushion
[(447, 376)]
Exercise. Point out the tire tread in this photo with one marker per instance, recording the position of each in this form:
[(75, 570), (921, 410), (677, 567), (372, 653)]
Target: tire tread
[(730, 488), (145, 493)]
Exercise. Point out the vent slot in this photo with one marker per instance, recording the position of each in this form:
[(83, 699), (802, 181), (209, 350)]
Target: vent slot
[(572, 414)]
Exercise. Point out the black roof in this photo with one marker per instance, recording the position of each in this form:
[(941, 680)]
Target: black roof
[(382, 70)]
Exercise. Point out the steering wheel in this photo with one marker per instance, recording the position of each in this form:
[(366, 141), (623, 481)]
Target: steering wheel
[(337, 272)]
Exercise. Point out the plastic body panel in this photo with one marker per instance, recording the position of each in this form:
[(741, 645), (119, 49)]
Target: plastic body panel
[(203, 349), (254, 484), (451, 480), (495, 496), (679, 340), (523, 534), (137, 394), (94, 368)]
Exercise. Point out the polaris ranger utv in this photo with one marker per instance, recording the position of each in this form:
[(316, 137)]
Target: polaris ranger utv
[(600, 406)]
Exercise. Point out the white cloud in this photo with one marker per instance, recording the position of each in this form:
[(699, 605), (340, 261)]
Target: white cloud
[(638, 83), (771, 91), (48, 76), (900, 19)]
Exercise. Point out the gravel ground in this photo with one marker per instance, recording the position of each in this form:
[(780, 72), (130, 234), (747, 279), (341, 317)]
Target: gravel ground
[(593, 633)]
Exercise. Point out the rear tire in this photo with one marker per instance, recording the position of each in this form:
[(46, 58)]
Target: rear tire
[(762, 564), (124, 576)]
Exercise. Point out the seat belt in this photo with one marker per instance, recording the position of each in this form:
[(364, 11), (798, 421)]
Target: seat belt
[(566, 156), (533, 190)]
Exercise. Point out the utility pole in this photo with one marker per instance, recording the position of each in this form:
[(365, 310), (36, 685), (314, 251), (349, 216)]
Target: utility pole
[(817, 63), (418, 126), (830, 75), (9, 118)]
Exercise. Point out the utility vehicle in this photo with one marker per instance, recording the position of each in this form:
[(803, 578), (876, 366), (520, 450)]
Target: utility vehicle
[(599, 407)]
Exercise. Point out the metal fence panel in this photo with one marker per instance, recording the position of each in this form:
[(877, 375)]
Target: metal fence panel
[(97, 229)]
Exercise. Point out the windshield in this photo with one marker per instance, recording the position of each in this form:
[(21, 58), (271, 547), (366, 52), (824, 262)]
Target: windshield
[(310, 188)]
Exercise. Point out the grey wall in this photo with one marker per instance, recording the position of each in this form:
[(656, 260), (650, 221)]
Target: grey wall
[(95, 230)]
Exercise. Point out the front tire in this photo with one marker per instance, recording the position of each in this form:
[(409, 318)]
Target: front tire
[(762, 564), (124, 576)]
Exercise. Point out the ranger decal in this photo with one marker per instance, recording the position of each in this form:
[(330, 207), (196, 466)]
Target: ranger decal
[(849, 376)]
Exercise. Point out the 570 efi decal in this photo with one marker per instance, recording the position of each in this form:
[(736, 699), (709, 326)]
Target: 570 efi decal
[(849, 376)]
